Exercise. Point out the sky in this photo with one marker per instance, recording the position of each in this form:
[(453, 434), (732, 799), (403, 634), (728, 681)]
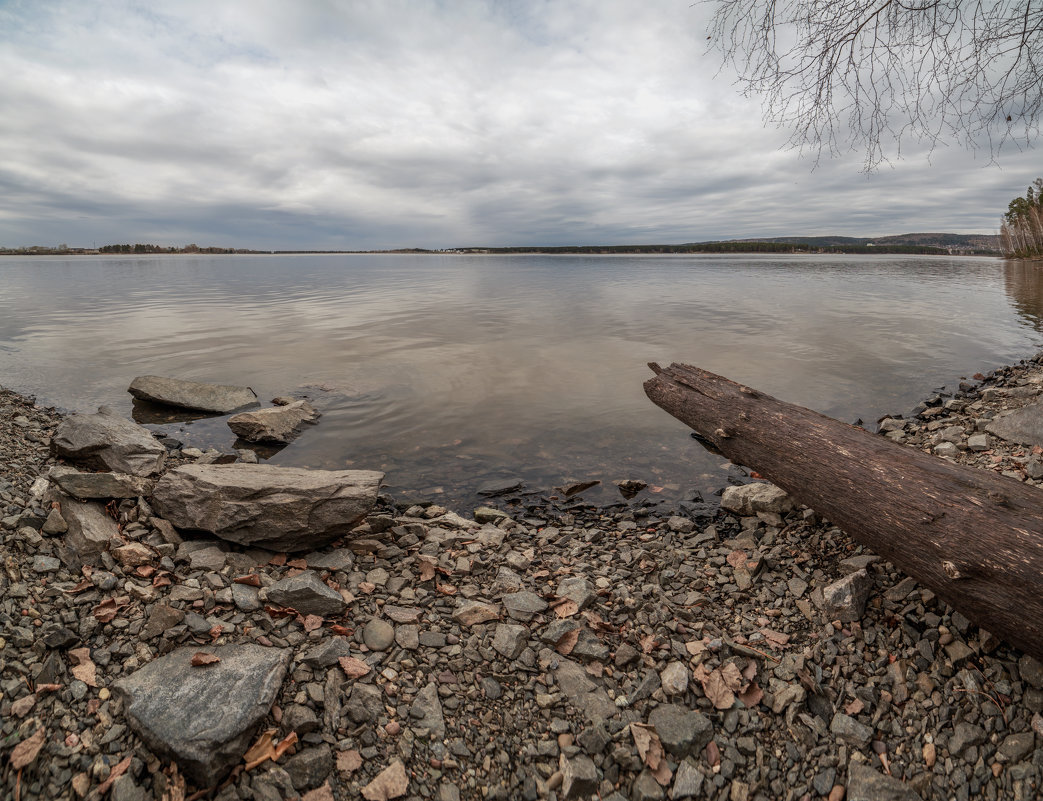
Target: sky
[(379, 124)]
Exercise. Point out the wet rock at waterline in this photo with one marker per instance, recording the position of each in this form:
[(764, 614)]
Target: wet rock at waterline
[(110, 442), (204, 716), (276, 424), (215, 398), (281, 508)]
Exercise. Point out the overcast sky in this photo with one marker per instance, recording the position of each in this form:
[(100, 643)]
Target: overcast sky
[(356, 125)]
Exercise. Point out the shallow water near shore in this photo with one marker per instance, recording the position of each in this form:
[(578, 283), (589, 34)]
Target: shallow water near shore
[(451, 371)]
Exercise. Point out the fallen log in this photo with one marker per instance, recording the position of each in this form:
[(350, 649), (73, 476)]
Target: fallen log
[(973, 537)]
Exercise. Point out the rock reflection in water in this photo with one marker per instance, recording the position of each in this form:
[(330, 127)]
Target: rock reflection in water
[(1023, 281)]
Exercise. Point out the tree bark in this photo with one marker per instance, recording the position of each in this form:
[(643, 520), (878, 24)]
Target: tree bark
[(973, 537)]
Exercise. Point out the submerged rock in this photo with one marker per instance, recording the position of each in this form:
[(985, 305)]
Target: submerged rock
[(216, 398), (280, 508), (204, 717), (108, 441), (277, 424)]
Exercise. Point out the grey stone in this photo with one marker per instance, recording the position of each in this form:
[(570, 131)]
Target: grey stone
[(45, 564), (378, 635), (300, 718), (108, 441), (426, 712), (576, 589), (846, 599), (849, 731), (215, 398), (1015, 747), (89, 486), (161, 618), (473, 613), (204, 717), (280, 508), (1023, 426), (501, 487), (310, 767), (579, 777), (1031, 671), (365, 704), (688, 781), (586, 696), (510, 639), (55, 523), (407, 637), (126, 789), (326, 653), (866, 784), (275, 424), (554, 631), (978, 442), (589, 648), (91, 529), (646, 788), (246, 598), (523, 605), (681, 730), (965, 735), (674, 678), (749, 499), (337, 559), (308, 594)]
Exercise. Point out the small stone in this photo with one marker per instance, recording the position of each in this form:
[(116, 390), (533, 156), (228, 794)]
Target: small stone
[(45, 564), (846, 599), (524, 605), (576, 589), (308, 594), (472, 613), (849, 731), (688, 781), (682, 731), (426, 711), (579, 777), (55, 523), (1031, 671), (510, 639), (964, 736), (1015, 747), (646, 788), (674, 678), (866, 784), (378, 634)]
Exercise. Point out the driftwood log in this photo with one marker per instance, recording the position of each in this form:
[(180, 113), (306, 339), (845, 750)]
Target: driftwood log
[(973, 537)]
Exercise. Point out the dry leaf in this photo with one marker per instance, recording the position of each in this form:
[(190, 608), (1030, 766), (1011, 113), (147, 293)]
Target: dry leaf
[(83, 585), (215, 632), (298, 564), (751, 696), (203, 658), (732, 676), (264, 749), (737, 559), (854, 707), (776, 638), (106, 611), (750, 671), (696, 647), (649, 748), (354, 668), (84, 669), (717, 690), (567, 642), (312, 622), (161, 580), (343, 631), (47, 688), (566, 608), (445, 589), (427, 567), (118, 770), (649, 643), (349, 761), (250, 580), (391, 782), (25, 752), (145, 571), (175, 789), (367, 587)]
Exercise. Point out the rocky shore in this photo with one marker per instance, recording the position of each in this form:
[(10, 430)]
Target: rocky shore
[(538, 648)]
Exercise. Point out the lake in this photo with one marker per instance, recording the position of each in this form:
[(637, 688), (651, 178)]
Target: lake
[(448, 371)]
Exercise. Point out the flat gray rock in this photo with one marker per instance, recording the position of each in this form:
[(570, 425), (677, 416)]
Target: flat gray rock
[(867, 784), (88, 486), (90, 528), (279, 508), (426, 711), (275, 424), (1024, 426), (204, 717), (110, 442), (216, 398), (308, 594)]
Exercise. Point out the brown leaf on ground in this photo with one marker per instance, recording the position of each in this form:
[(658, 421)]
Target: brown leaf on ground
[(567, 642), (106, 611), (83, 585), (649, 643), (427, 567), (717, 690), (25, 752), (445, 589), (391, 782), (145, 571), (750, 671), (354, 668), (343, 631), (81, 782), (215, 632), (84, 670), (751, 696), (202, 658), (21, 707), (737, 559), (323, 793), (298, 564), (776, 638), (349, 761), (696, 647), (250, 580), (47, 688), (118, 770), (312, 622), (566, 607), (732, 676), (175, 789), (854, 707), (161, 580), (368, 587), (649, 747), (264, 748)]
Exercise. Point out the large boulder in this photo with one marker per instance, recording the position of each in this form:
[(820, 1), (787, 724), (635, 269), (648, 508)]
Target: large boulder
[(110, 442), (281, 508), (90, 528), (204, 717), (216, 398), (276, 424), (1023, 426), (87, 486)]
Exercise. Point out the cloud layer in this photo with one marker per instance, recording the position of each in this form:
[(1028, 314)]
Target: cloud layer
[(422, 124)]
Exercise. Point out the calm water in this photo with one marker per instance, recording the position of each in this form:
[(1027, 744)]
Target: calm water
[(448, 371)]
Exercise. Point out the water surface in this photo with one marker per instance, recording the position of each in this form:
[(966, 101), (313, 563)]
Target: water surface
[(448, 371)]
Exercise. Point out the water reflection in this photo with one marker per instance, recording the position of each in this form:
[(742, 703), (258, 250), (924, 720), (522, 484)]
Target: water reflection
[(1024, 284), (449, 371)]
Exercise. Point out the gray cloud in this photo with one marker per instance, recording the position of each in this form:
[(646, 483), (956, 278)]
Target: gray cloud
[(370, 125)]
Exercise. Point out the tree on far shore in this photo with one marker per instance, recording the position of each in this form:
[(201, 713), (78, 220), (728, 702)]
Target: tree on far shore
[(1022, 228), (858, 75)]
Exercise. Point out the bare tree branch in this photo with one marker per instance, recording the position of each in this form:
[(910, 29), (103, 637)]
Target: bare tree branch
[(848, 75)]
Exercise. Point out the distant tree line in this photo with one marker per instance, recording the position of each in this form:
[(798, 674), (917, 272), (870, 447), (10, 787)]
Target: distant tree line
[(149, 248), (1022, 227), (730, 246)]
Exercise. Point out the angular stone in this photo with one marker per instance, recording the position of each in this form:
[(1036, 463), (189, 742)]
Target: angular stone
[(576, 589), (471, 613), (1031, 671), (688, 781), (204, 717), (846, 598), (161, 618), (681, 730), (200, 397), (523, 605), (579, 777), (327, 652), (108, 441), (964, 735), (674, 678), (510, 639), (849, 731), (866, 784), (54, 524), (749, 499), (502, 487), (279, 508), (246, 598), (89, 486), (310, 767), (275, 424), (133, 554), (426, 712), (646, 788), (1023, 426), (91, 530), (308, 594)]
